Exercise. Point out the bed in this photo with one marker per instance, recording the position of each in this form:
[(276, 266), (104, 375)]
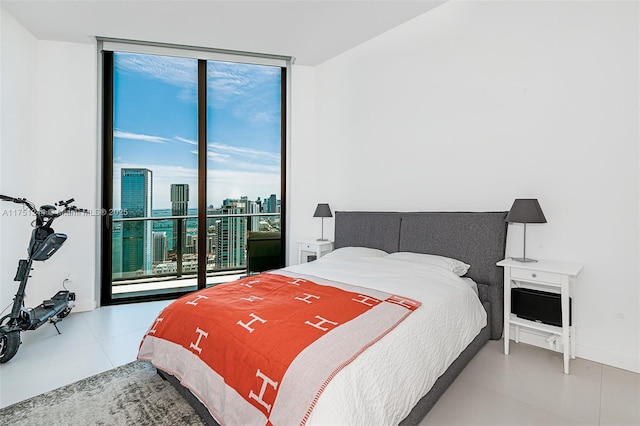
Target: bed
[(476, 239)]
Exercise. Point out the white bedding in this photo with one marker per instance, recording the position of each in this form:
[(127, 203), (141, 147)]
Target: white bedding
[(471, 283), (386, 381)]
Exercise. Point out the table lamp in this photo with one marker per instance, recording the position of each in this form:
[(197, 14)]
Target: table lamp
[(525, 210), (322, 210)]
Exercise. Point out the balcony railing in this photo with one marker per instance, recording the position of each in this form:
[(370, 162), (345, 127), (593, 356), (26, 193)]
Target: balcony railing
[(153, 249)]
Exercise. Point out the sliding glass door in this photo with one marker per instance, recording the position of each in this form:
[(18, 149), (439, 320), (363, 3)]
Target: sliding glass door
[(244, 157), (193, 162)]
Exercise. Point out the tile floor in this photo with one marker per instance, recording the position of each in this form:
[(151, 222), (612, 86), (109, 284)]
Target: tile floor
[(524, 388), (90, 343)]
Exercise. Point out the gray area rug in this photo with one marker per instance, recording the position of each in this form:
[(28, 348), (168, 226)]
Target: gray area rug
[(132, 394)]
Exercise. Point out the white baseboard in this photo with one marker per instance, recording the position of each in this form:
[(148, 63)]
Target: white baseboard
[(608, 358), (84, 305)]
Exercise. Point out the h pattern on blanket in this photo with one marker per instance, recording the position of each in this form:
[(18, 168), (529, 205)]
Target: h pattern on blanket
[(260, 350)]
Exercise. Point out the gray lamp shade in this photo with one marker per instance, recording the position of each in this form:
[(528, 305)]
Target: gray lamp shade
[(323, 210), (525, 210)]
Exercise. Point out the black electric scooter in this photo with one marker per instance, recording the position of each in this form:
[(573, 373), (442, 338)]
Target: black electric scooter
[(43, 244)]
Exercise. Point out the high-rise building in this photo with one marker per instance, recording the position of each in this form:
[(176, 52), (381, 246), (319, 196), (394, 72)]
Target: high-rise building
[(180, 207), (116, 250), (251, 208), (136, 200), (230, 236), (179, 199), (191, 244), (166, 226), (159, 247), (272, 204)]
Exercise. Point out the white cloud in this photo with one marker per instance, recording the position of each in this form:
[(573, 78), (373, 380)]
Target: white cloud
[(223, 184), (247, 90), (182, 72), (138, 137), (238, 158), (185, 140), (215, 156), (243, 151)]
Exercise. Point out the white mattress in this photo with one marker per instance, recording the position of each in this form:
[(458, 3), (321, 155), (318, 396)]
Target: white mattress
[(386, 381)]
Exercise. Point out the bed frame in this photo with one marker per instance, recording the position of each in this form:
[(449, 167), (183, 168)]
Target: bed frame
[(478, 239)]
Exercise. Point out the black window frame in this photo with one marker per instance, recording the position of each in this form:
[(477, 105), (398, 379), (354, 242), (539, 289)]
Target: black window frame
[(107, 105)]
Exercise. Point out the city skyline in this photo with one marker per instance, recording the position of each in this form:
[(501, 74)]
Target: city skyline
[(147, 248), (271, 200)]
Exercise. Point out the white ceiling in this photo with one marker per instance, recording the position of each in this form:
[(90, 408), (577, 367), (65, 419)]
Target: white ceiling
[(310, 31)]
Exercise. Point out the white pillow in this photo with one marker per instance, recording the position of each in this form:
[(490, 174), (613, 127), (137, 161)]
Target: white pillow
[(350, 252), (457, 267)]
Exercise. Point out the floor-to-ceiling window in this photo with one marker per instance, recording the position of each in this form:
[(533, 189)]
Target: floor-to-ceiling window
[(193, 159)]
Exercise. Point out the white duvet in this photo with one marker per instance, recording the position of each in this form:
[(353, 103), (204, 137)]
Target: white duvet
[(383, 384)]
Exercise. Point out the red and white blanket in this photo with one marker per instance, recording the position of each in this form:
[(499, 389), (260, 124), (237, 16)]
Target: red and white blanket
[(262, 349)]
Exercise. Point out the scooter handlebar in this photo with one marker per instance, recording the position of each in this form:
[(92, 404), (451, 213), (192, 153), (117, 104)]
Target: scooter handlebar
[(24, 201), (66, 204), (7, 198)]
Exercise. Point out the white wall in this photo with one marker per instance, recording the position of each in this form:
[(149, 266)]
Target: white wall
[(66, 163), (475, 104), (49, 153), (305, 180), (18, 61)]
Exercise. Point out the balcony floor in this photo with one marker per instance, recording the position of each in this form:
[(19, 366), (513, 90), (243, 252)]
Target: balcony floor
[(153, 286)]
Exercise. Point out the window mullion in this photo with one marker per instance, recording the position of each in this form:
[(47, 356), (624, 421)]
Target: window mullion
[(202, 173)]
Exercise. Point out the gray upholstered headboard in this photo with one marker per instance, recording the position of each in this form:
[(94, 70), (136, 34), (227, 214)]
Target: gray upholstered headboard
[(476, 238)]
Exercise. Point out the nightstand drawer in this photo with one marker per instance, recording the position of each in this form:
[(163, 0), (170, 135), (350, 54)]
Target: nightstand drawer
[(312, 250), (541, 276)]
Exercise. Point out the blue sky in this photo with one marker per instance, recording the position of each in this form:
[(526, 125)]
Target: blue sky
[(155, 126)]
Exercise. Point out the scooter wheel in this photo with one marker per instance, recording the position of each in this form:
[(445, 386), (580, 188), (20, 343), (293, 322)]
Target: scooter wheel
[(9, 344)]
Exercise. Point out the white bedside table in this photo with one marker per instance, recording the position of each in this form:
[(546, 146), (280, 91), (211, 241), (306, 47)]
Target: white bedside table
[(315, 248), (550, 275)]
